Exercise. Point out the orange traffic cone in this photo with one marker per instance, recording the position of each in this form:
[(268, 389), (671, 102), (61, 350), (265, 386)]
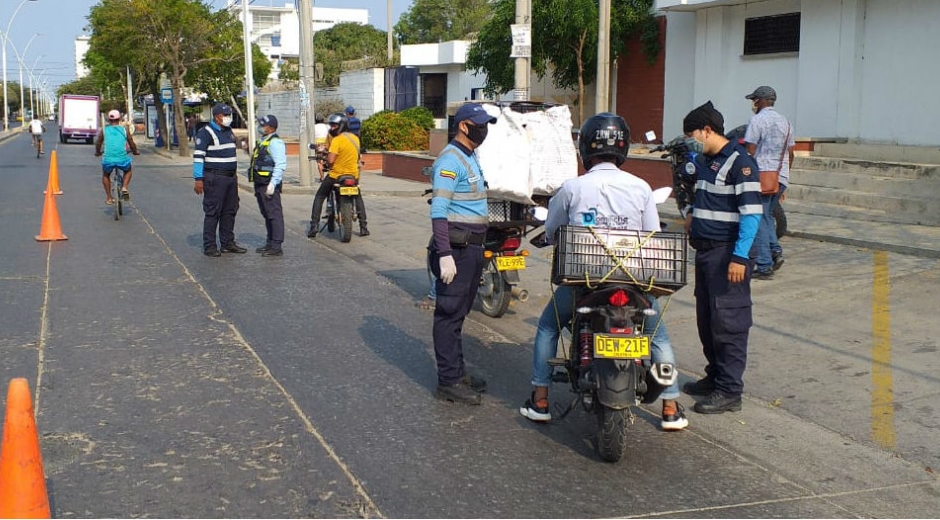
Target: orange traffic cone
[(51, 228), (22, 481), (54, 175)]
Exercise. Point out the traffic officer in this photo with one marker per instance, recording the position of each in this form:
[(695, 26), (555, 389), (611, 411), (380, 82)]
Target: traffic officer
[(214, 167), (268, 163), (722, 226), (459, 218)]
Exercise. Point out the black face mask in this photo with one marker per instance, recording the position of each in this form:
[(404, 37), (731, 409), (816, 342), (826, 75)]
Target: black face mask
[(477, 133), (334, 130)]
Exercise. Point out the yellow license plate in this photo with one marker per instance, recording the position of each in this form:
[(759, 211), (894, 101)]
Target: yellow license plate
[(621, 347), (349, 190), (510, 263)]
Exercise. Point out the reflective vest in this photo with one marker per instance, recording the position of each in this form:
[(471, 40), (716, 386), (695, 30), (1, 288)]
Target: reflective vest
[(262, 164)]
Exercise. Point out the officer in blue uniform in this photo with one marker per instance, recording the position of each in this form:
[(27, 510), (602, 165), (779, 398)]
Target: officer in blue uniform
[(355, 124), (459, 218), (214, 167), (268, 163), (722, 226)]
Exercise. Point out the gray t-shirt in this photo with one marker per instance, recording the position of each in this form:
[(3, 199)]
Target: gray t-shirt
[(768, 129)]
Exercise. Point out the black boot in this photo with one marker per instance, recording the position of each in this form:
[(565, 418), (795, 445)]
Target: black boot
[(363, 230), (312, 231)]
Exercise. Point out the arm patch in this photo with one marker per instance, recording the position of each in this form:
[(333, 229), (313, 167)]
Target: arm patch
[(447, 174)]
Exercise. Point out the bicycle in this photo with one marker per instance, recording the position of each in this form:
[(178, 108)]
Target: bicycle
[(118, 196)]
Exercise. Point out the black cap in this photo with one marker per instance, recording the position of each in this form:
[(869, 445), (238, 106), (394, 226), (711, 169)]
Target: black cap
[(763, 92), (703, 116), (268, 120)]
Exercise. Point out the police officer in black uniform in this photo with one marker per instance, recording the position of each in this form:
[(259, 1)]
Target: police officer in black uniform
[(214, 168), (722, 226), (268, 163)]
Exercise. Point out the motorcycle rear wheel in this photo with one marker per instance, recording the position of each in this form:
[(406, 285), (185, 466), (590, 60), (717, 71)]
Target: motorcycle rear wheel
[(494, 292), (612, 433), (345, 218)]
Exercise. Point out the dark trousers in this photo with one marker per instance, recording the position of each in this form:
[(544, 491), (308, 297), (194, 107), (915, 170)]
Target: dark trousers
[(723, 313), (273, 214), (220, 204), (454, 301), (317, 210)]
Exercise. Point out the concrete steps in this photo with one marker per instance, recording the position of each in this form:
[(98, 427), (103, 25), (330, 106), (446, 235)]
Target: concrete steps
[(879, 191)]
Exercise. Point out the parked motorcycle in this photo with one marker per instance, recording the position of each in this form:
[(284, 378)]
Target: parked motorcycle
[(608, 363), (684, 175)]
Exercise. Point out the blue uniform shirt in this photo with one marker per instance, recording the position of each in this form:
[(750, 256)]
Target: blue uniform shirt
[(459, 197), (215, 150), (727, 199)]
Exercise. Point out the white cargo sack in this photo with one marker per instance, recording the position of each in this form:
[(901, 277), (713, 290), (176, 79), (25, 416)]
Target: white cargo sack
[(504, 158)]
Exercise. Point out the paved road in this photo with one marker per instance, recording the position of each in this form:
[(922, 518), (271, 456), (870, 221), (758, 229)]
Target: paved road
[(170, 384)]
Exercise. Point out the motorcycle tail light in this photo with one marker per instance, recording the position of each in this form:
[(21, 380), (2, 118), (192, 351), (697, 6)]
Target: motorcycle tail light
[(621, 330), (349, 182), (509, 253), (619, 298), (511, 244)]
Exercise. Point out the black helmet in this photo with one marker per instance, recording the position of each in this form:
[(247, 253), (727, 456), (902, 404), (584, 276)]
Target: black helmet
[(605, 136), (341, 121), (318, 118)]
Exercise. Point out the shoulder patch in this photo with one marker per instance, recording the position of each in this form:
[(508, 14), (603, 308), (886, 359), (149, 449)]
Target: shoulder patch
[(198, 141), (746, 171), (448, 174)]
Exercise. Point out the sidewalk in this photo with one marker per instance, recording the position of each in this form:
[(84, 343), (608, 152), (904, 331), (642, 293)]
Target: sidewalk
[(923, 241)]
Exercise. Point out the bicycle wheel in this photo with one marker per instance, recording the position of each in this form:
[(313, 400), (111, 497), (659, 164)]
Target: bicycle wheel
[(116, 183)]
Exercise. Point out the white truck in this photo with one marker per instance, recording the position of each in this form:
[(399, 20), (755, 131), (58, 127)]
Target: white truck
[(79, 118)]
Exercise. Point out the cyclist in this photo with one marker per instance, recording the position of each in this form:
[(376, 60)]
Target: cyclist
[(343, 159), (36, 128), (116, 141)]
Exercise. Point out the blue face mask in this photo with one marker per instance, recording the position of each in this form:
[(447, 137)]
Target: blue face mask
[(694, 145)]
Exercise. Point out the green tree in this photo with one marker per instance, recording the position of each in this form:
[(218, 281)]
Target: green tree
[(564, 41), (433, 21), (348, 42)]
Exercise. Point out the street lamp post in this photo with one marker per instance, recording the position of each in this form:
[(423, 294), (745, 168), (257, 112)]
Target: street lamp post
[(6, 36), (19, 58)]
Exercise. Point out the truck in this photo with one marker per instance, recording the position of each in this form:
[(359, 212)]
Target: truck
[(79, 118)]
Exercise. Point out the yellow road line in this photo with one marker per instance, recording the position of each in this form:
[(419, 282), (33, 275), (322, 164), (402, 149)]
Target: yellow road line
[(882, 391)]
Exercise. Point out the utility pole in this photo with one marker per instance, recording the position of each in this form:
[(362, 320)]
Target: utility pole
[(307, 105), (130, 97), (601, 95), (522, 49), (388, 15), (249, 79)]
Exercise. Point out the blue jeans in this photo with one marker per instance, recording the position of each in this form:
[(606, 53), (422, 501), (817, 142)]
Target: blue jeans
[(766, 240), (549, 330)]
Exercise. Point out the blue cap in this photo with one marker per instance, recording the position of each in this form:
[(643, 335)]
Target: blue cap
[(350, 110), (221, 108), (475, 113), (268, 120)]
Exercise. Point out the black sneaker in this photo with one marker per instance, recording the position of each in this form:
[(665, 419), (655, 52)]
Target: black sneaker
[(312, 230), (263, 248), (459, 393), (536, 411), (273, 252), (364, 231), (674, 417), (763, 275), (703, 386), (212, 252), (477, 384), (234, 248), (718, 402), (778, 260)]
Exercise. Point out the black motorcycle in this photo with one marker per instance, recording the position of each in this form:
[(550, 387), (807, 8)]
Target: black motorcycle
[(684, 175), (608, 362)]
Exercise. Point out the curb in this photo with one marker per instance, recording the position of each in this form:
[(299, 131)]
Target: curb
[(866, 244)]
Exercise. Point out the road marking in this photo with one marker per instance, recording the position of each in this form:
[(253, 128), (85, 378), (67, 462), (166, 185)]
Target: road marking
[(43, 330), (882, 385)]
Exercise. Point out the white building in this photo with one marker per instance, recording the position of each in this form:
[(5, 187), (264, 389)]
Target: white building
[(861, 70), (276, 30), (81, 47)]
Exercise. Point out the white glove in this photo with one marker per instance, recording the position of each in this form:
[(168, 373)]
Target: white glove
[(448, 269), (270, 191)]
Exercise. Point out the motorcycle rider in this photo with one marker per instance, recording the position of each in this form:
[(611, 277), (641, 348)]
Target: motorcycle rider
[(343, 160), (611, 198)]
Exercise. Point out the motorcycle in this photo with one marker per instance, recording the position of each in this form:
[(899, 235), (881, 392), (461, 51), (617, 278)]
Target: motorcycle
[(684, 175), (609, 365), (341, 206)]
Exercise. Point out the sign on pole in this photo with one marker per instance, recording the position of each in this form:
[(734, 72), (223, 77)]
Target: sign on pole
[(521, 41)]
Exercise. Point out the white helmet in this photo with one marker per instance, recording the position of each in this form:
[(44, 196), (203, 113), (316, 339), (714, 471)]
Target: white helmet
[(114, 115)]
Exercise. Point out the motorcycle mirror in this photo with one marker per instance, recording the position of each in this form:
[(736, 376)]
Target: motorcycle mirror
[(539, 213), (427, 171), (650, 136), (539, 240), (661, 195)]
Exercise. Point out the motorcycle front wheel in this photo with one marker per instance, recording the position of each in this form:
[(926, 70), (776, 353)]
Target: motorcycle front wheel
[(494, 292), (345, 218), (612, 433)]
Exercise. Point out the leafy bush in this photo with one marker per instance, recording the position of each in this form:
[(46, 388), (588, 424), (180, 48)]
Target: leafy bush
[(387, 130), (328, 108), (420, 115)]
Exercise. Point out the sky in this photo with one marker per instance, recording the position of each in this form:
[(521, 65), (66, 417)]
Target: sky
[(59, 22)]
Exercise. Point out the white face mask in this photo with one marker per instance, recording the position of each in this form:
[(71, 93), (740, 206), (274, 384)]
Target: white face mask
[(226, 120)]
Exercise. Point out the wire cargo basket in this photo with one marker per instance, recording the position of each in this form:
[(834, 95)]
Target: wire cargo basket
[(587, 256), (504, 211)]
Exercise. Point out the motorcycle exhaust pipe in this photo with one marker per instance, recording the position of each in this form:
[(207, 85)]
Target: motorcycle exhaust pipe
[(520, 294)]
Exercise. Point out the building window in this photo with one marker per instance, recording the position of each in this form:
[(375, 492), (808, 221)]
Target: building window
[(772, 34)]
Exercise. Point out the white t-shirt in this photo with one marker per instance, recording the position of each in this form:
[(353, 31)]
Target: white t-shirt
[(320, 132), (35, 126)]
